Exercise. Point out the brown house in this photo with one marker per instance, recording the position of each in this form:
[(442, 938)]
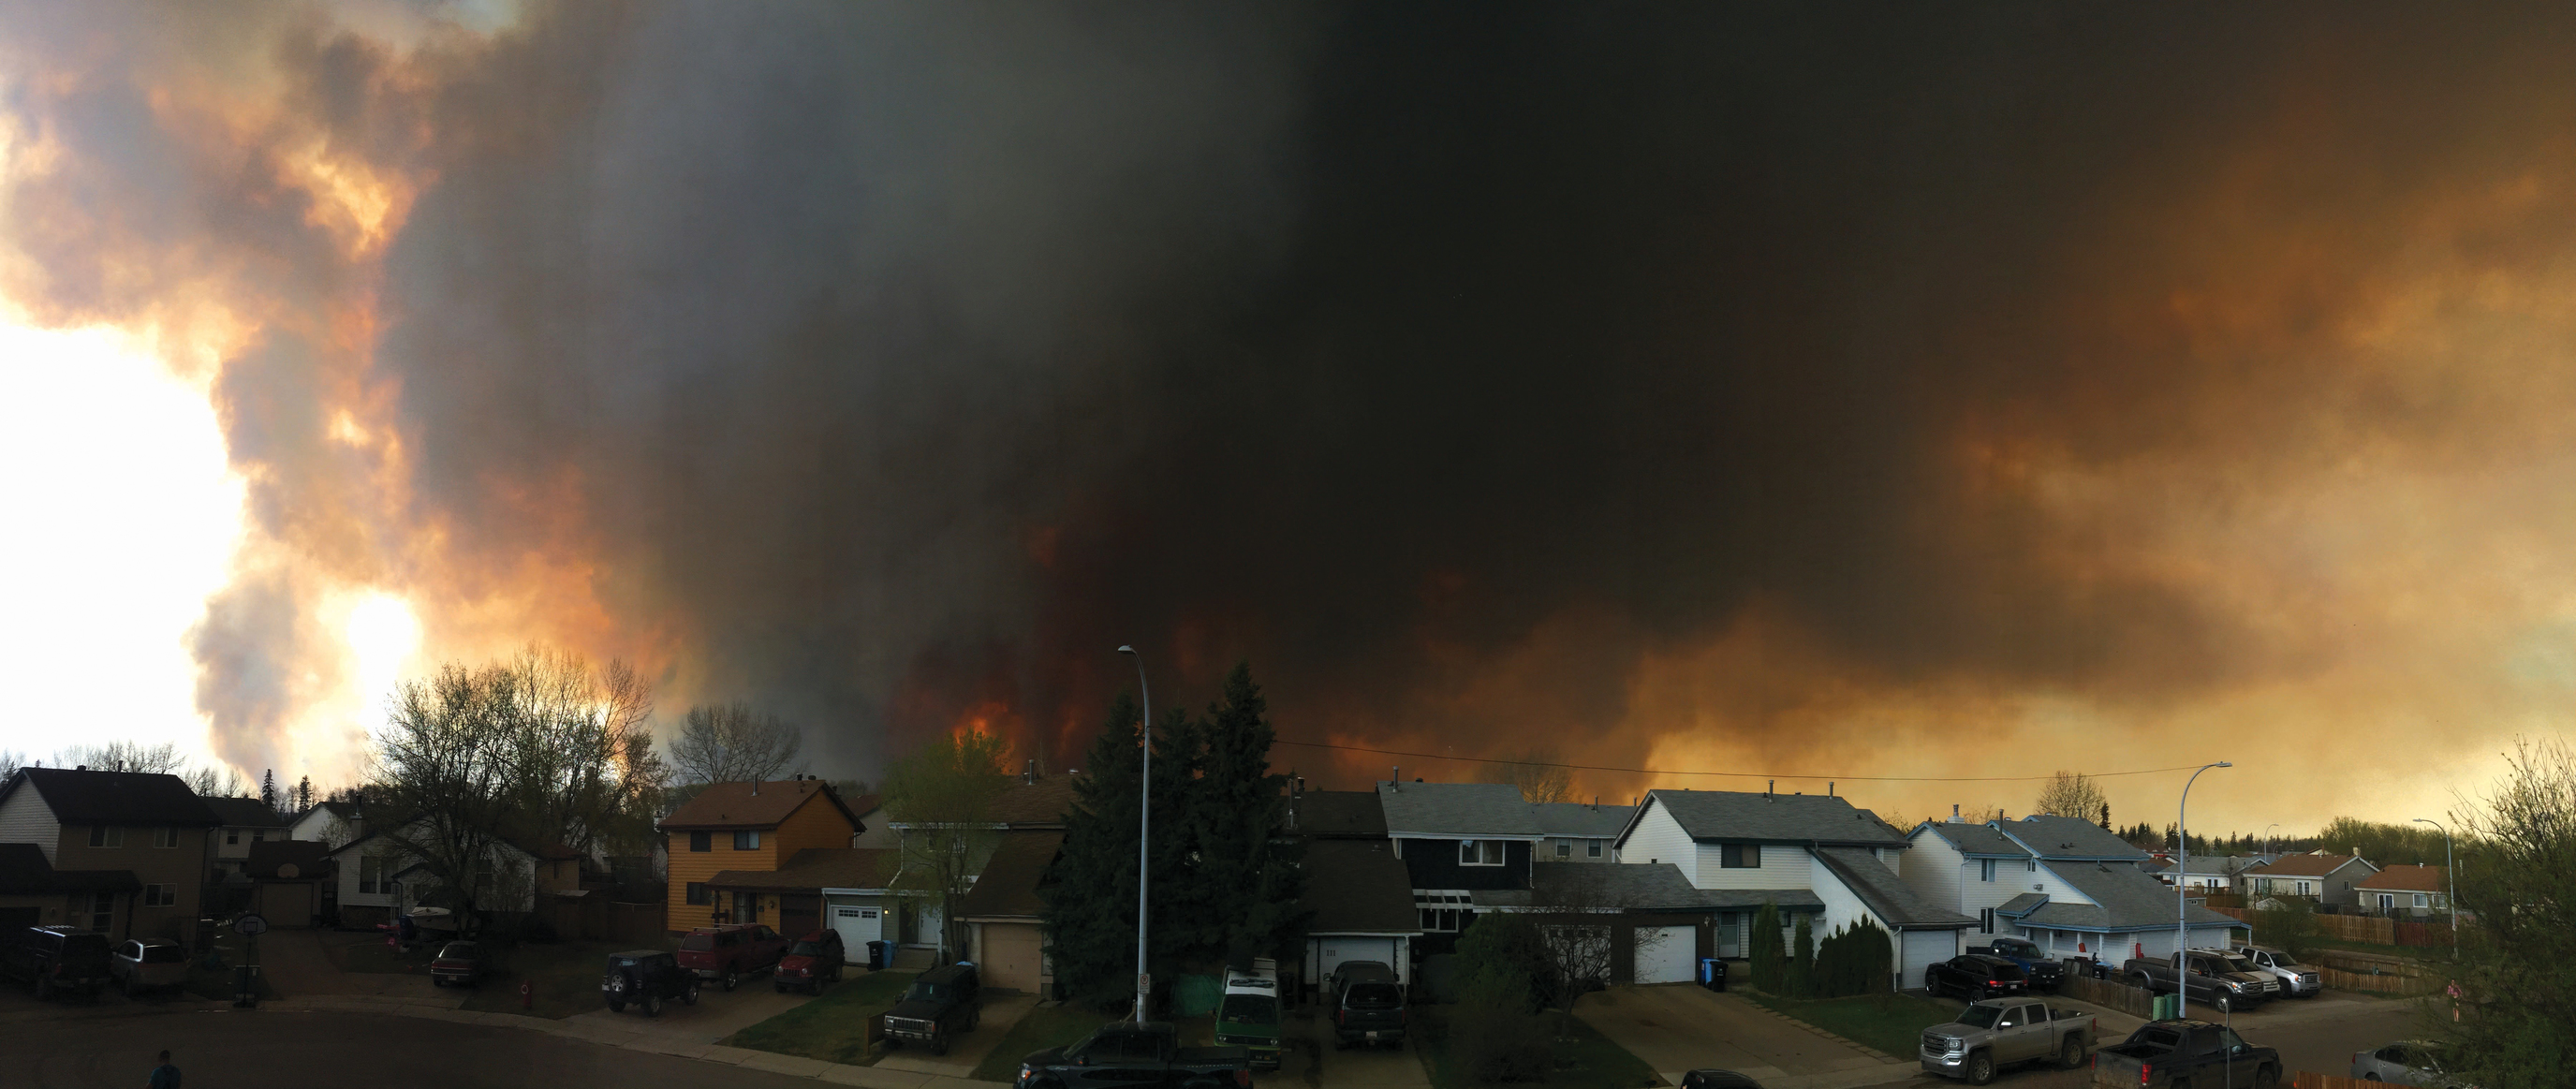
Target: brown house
[(750, 827), (151, 828), (2324, 879)]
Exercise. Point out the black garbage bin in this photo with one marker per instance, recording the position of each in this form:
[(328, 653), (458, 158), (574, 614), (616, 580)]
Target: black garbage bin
[(246, 985), (879, 953), (1712, 973)]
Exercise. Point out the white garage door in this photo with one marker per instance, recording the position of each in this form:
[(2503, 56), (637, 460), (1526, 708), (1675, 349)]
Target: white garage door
[(1328, 954), (1923, 949), (858, 927), (1666, 954)]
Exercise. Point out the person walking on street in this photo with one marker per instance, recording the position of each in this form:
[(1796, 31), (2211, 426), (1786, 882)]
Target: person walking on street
[(164, 1076)]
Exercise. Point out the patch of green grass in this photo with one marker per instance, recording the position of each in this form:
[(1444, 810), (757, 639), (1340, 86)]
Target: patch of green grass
[(833, 1026), (1044, 1027), (563, 976), (1892, 1023), (1583, 1058), (353, 953)]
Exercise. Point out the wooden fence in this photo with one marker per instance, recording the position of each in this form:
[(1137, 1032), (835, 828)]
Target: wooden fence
[(2310, 1079), (640, 924), (2379, 983), (2366, 929), (2109, 995)]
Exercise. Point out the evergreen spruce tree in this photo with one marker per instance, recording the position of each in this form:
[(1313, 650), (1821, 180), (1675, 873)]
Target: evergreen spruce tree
[(1246, 879), (304, 794), (1802, 961), (268, 788), (2106, 816), (1089, 897), (1770, 961)]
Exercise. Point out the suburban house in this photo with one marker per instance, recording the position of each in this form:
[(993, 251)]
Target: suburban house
[(291, 884), (1812, 854), (2062, 882), (34, 893), (2322, 879), (1579, 831), (1360, 896), (1027, 823), (2405, 891), (1005, 936), (150, 827), (334, 823), (871, 811), (744, 827), (2207, 874), (843, 888), (374, 879), (246, 821), (1455, 840), (1663, 924)]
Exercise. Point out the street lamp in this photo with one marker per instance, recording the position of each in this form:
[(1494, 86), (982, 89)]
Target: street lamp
[(2267, 840), (1144, 825), (2451, 872), (2182, 887)]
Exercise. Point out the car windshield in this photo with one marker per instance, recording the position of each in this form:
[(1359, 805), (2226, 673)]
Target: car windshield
[(2284, 960), (2237, 964), (922, 992), (457, 950), (162, 954), (1981, 1016), (1374, 996), (1249, 1009), (697, 943), (806, 949), (2014, 949)]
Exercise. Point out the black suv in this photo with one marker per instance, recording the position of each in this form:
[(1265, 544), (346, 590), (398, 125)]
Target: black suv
[(1975, 977), (940, 1003), (1368, 1004), (56, 959), (646, 977)]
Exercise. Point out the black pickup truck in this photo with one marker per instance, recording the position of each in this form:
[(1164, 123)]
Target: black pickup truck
[(942, 1003), (1124, 1054), (2186, 1054), (2045, 974)]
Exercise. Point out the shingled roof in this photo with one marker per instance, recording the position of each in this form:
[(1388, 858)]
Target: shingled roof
[(1457, 810), (1888, 896), (1357, 887), (1582, 819), (818, 868), (1008, 887), (2306, 866), (1595, 885), (244, 813), (1339, 814), (1723, 816), (2123, 899), (113, 797), (2069, 838), (747, 805), (1975, 840), (2404, 878)]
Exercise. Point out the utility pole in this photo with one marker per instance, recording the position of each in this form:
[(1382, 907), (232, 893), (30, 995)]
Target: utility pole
[(2450, 871), (1144, 828), (2182, 888)]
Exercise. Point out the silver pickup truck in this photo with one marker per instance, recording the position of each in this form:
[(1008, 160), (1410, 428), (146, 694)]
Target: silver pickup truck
[(2001, 1031)]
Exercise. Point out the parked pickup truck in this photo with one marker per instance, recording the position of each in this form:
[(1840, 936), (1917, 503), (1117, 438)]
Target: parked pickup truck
[(1126, 1054), (2045, 974), (728, 953), (942, 1003), (2186, 1054), (2297, 980), (2211, 978), (2001, 1031)]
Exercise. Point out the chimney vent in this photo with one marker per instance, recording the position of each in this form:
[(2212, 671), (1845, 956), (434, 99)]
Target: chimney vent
[(1954, 813), (1396, 783), (1029, 772), (81, 767), (1767, 786)]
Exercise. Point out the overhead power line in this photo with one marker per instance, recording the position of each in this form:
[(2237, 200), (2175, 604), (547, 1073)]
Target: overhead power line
[(1733, 774)]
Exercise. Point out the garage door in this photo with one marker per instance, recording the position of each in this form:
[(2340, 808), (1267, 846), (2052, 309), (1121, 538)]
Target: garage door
[(1923, 949), (1010, 952), (1330, 953), (1665, 954), (858, 927)]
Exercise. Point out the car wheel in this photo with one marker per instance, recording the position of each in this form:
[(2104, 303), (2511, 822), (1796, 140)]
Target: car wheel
[(689, 997), (939, 1045), (2072, 1055), (731, 979), (2223, 1003), (2372, 1076), (653, 1005), (2267, 1077), (1981, 1068), (438, 981)]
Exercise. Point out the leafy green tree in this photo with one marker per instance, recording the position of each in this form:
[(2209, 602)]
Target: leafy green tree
[(942, 798), (1853, 960), (2519, 984), (1770, 959), (1495, 1033), (2290, 926)]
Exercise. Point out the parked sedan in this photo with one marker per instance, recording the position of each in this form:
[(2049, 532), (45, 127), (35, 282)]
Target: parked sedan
[(2406, 1062), (1976, 976), (458, 962), (140, 966)]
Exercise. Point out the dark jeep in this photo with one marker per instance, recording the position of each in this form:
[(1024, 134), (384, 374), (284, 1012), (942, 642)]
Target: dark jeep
[(941, 1003), (646, 977), (56, 959)]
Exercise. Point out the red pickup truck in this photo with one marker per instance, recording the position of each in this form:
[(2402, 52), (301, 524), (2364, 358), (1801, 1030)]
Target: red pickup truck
[(728, 953)]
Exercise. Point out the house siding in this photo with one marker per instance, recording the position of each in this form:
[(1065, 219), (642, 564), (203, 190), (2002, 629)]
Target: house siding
[(182, 867), (2013, 877), (814, 823), (1433, 864), (1659, 838), (1931, 868), (1784, 866), (25, 818)]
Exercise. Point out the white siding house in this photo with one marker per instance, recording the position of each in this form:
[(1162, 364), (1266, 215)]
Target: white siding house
[(2067, 885)]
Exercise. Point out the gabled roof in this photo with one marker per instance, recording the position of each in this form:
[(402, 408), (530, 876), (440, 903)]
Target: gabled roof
[(1974, 840), (746, 806), (2404, 878), (1887, 895), (2068, 838), (865, 804), (2123, 899), (1357, 887), (1008, 887), (1339, 814), (1602, 886), (244, 813), (113, 797), (2021, 905), (1457, 810), (24, 872), (1041, 804), (2307, 866), (345, 811), (311, 859), (1725, 816), (1583, 820), (818, 868), (2221, 865)]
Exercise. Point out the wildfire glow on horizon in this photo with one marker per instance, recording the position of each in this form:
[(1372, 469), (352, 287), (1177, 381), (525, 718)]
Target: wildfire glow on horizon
[(1802, 398)]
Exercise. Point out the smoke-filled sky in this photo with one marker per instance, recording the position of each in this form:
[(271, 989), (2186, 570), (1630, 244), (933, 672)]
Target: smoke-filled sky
[(1834, 390)]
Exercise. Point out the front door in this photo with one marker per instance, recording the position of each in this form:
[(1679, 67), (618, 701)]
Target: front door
[(799, 915), (907, 922), (2387, 903)]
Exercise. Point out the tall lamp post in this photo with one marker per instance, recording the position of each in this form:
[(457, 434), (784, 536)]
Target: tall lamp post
[(2451, 872), (2182, 886), (1144, 824), (2267, 840)]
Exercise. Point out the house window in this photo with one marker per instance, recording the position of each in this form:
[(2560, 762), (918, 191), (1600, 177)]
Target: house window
[(1740, 856), (371, 876), (2419, 900), (1565, 848), (1986, 920), (746, 841), (699, 841), (2306, 889), (2030, 865), (160, 896), (106, 835), (1985, 869), (1592, 849), (165, 836), (1480, 852), (102, 911), (232, 836), (699, 895)]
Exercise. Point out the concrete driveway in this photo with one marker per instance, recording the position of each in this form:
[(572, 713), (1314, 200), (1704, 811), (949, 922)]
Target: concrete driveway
[(717, 1015), (964, 1052), (1676, 1027), (1308, 1057)]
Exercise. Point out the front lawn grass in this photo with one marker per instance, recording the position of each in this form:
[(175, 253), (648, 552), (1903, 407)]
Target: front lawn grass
[(1583, 1058), (832, 1026), (1892, 1023), (563, 975), (1043, 1028)]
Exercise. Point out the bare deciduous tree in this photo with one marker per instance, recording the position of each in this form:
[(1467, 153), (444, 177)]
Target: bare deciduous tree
[(2071, 794), (1538, 775), (728, 743), (10, 762), (162, 759), (940, 799)]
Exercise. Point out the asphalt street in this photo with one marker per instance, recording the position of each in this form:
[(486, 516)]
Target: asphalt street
[(279, 1050), (2325, 1047)]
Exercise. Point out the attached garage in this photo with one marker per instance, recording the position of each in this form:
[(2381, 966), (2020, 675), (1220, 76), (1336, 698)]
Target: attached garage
[(1000, 915), (1011, 955), (1667, 954), (859, 924), (1326, 953), (1923, 949)]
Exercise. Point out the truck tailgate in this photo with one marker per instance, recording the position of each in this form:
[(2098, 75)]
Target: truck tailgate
[(2110, 1068)]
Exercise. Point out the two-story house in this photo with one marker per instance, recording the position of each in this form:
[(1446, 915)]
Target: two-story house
[(2066, 884), (1455, 840), (333, 823), (2321, 879), (374, 878), (1813, 854), (730, 832), (1580, 831), (246, 821), (152, 828), (999, 914)]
